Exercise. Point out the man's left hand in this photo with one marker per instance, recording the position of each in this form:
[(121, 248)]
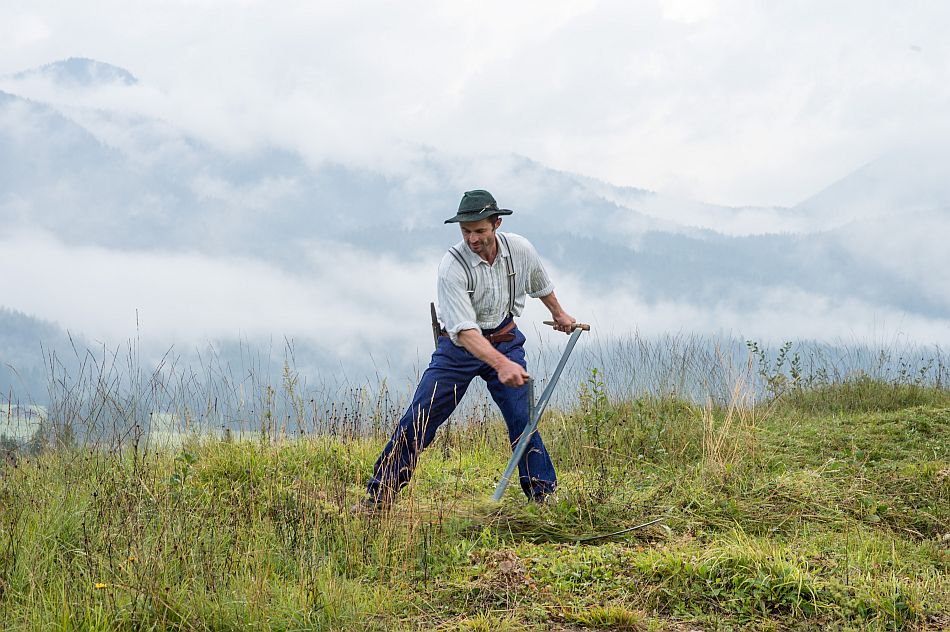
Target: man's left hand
[(564, 322)]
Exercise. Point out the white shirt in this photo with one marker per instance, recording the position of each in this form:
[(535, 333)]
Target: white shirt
[(488, 306)]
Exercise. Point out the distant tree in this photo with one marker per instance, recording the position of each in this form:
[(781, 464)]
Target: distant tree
[(64, 436), (39, 440), (9, 448), (8, 444)]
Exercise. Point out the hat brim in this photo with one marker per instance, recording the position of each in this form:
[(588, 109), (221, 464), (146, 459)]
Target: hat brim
[(477, 216)]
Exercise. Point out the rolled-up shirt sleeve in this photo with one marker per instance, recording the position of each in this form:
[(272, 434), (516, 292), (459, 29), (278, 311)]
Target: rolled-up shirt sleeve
[(538, 282), (455, 305)]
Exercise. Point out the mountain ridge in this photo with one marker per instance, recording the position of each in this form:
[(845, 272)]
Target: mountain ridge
[(145, 186), (81, 72)]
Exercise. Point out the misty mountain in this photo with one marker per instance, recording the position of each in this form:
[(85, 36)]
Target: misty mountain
[(79, 72), (25, 344), (125, 182), (181, 194), (912, 179)]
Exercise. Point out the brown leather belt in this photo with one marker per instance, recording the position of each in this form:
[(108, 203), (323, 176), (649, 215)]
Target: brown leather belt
[(505, 334)]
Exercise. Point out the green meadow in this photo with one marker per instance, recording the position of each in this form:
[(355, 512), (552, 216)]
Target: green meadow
[(822, 505)]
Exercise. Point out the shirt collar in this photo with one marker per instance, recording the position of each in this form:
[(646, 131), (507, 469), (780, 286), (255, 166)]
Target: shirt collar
[(474, 260)]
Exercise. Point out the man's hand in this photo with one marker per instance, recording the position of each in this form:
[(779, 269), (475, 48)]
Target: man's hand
[(512, 374), (564, 322)]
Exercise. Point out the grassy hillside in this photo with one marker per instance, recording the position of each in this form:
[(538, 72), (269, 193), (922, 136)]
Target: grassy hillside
[(827, 509)]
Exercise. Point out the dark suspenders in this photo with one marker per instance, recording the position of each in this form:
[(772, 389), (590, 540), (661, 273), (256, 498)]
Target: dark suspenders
[(510, 269), (470, 275)]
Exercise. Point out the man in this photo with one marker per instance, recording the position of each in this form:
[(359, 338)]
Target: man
[(481, 288)]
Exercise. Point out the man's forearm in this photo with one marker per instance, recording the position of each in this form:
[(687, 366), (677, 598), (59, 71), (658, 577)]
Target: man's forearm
[(562, 320), (475, 343), (550, 301)]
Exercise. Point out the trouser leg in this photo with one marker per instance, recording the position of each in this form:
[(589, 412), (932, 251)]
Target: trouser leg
[(535, 469), (439, 391)]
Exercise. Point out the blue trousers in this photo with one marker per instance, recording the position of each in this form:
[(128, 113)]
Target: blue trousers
[(441, 388)]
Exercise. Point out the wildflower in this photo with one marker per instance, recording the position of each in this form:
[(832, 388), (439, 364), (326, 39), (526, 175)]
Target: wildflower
[(100, 586)]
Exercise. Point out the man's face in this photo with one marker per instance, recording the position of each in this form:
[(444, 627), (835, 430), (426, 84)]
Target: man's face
[(480, 235)]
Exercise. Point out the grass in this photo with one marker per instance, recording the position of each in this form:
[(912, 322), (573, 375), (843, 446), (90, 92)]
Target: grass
[(826, 508)]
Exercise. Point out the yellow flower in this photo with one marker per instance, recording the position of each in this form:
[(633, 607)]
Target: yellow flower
[(100, 585)]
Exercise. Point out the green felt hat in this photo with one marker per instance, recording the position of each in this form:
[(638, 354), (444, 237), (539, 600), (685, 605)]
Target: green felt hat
[(477, 205)]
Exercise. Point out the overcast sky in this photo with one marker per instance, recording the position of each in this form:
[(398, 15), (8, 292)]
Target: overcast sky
[(728, 101)]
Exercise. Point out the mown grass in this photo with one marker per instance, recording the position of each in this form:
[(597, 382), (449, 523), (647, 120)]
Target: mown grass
[(828, 508)]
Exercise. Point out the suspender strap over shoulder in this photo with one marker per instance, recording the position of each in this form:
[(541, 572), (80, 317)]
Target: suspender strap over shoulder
[(469, 275), (510, 270)]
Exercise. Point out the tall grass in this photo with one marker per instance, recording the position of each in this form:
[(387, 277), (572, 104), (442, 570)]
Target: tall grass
[(218, 498), (116, 396)]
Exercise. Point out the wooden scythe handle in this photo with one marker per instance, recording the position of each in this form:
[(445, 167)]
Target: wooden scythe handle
[(583, 326)]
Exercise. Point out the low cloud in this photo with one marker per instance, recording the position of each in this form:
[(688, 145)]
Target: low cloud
[(770, 315), (912, 246), (355, 303), (348, 305), (725, 102)]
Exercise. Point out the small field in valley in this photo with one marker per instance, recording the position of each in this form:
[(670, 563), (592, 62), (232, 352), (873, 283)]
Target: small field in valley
[(827, 508)]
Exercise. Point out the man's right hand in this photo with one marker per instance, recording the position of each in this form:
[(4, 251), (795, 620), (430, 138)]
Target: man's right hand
[(512, 374)]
